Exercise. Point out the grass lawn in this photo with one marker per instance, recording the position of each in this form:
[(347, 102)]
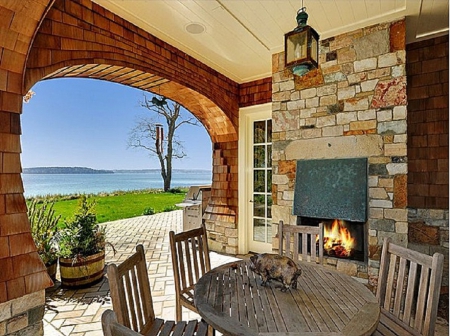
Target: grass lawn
[(121, 205)]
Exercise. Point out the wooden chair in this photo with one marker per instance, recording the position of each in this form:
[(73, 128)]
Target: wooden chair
[(190, 260), (290, 237), (133, 306), (408, 291), (111, 327)]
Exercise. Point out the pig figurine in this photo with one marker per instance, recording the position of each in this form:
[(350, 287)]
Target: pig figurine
[(273, 266)]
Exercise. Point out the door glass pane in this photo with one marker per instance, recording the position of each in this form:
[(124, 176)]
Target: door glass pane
[(259, 229), (269, 230), (269, 182), (259, 157), (269, 131), (259, 181), (259, 205), (259, 132), (269, 156)]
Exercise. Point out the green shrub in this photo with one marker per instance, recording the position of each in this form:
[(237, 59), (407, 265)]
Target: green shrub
[(170, 208), (81, 236), (148, 211), (176, 190), (44, 227)]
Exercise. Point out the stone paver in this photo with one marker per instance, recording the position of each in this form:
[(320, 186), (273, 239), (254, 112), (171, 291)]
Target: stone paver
[(78, 312)]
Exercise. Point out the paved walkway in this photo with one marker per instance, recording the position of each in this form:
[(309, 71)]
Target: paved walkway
[(78, 312)]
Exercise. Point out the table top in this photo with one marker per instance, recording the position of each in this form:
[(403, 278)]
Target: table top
[(232, 300)]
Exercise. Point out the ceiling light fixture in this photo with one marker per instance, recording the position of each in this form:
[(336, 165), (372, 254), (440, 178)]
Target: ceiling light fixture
[(195, 28), (301, 46)]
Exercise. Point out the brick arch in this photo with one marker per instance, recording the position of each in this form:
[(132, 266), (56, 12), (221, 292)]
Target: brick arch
[(88, 41), (209, 114)]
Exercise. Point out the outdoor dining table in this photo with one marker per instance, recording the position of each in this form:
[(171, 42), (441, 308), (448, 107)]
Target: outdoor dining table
[(233, 301)]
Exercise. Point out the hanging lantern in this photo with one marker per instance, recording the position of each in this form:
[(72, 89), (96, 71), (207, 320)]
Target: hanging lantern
[(301, 46)]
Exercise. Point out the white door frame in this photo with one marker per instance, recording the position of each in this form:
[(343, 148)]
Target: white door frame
[(245, 165)]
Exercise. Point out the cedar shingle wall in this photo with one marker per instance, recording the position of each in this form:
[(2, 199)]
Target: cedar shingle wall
[(256, 92), (21, 270), (427, 71)]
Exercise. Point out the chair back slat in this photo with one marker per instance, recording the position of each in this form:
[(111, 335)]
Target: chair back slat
[(311, 238), (196, 263), (181, 271), (409, 285), (190, 260), (409, 296), (400, 286), (130, 291)]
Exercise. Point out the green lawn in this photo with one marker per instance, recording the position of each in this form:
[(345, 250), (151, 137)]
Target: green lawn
[(121, 205)]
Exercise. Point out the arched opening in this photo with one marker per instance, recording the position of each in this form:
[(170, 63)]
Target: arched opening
[(77, 41), (73, 122)]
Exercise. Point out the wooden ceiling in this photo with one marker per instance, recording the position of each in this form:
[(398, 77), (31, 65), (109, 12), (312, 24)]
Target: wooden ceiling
[(237, 38)]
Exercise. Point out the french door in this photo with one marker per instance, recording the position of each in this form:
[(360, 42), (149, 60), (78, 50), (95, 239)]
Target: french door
[(261, 212), (255, 179)]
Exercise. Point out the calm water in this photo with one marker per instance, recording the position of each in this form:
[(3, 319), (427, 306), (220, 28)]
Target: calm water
[(44, 184)]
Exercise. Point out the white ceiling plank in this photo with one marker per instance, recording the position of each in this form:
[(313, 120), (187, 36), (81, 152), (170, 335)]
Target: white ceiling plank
[(433, 16)]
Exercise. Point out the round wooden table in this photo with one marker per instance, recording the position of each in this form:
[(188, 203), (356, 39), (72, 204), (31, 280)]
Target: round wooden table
[(232, 300)]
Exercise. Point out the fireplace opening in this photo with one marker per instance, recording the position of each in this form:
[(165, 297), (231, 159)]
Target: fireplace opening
[(343, 239)]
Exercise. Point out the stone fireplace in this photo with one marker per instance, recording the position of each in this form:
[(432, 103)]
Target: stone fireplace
[(353, 106)]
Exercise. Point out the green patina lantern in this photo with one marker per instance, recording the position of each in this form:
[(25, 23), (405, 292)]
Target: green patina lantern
[(301, 46)]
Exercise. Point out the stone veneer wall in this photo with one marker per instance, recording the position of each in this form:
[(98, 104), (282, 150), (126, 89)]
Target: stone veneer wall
[(354, 105), (23, 316)]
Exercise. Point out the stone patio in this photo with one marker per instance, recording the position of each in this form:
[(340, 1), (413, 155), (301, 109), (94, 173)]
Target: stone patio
[(78, 312)]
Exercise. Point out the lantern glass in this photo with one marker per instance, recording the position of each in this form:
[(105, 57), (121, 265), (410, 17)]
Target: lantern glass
[(296, 47), (315, 48)]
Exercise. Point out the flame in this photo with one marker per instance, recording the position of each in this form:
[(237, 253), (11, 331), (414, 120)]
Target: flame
[(338, 240)]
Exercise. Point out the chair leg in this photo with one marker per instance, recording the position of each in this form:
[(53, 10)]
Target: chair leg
[(178, 312)]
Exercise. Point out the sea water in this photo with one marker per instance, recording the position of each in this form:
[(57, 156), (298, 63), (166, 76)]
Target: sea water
[(65, 184)]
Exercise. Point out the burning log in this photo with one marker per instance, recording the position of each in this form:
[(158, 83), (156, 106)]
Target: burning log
[(338, 241)]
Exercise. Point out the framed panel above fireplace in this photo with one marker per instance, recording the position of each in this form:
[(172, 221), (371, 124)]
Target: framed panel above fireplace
[(332, 188)]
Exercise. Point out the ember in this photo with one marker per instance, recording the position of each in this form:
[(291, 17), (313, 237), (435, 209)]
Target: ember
[(338, 241)]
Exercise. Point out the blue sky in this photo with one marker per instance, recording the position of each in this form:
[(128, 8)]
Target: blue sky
[(86, 123)]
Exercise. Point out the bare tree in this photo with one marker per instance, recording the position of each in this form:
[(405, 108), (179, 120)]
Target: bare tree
[(149, 135)]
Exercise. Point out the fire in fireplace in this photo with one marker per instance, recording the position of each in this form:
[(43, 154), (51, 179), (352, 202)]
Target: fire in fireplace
[(343, 239), (338, 240)]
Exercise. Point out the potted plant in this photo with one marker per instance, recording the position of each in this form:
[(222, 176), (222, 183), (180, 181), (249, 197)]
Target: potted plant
[(81, 247), (44, 228)]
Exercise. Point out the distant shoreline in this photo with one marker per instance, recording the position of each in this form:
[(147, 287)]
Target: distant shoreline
[(85, 170), (65, 170)]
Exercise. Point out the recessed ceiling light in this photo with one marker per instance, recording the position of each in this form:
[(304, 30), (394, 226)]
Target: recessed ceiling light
[(195, 28)]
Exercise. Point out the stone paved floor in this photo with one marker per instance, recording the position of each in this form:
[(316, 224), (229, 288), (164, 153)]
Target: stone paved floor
[(78, 312)]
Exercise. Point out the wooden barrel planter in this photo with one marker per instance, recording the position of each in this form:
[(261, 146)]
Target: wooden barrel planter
[(83, 272), (51, 269)]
